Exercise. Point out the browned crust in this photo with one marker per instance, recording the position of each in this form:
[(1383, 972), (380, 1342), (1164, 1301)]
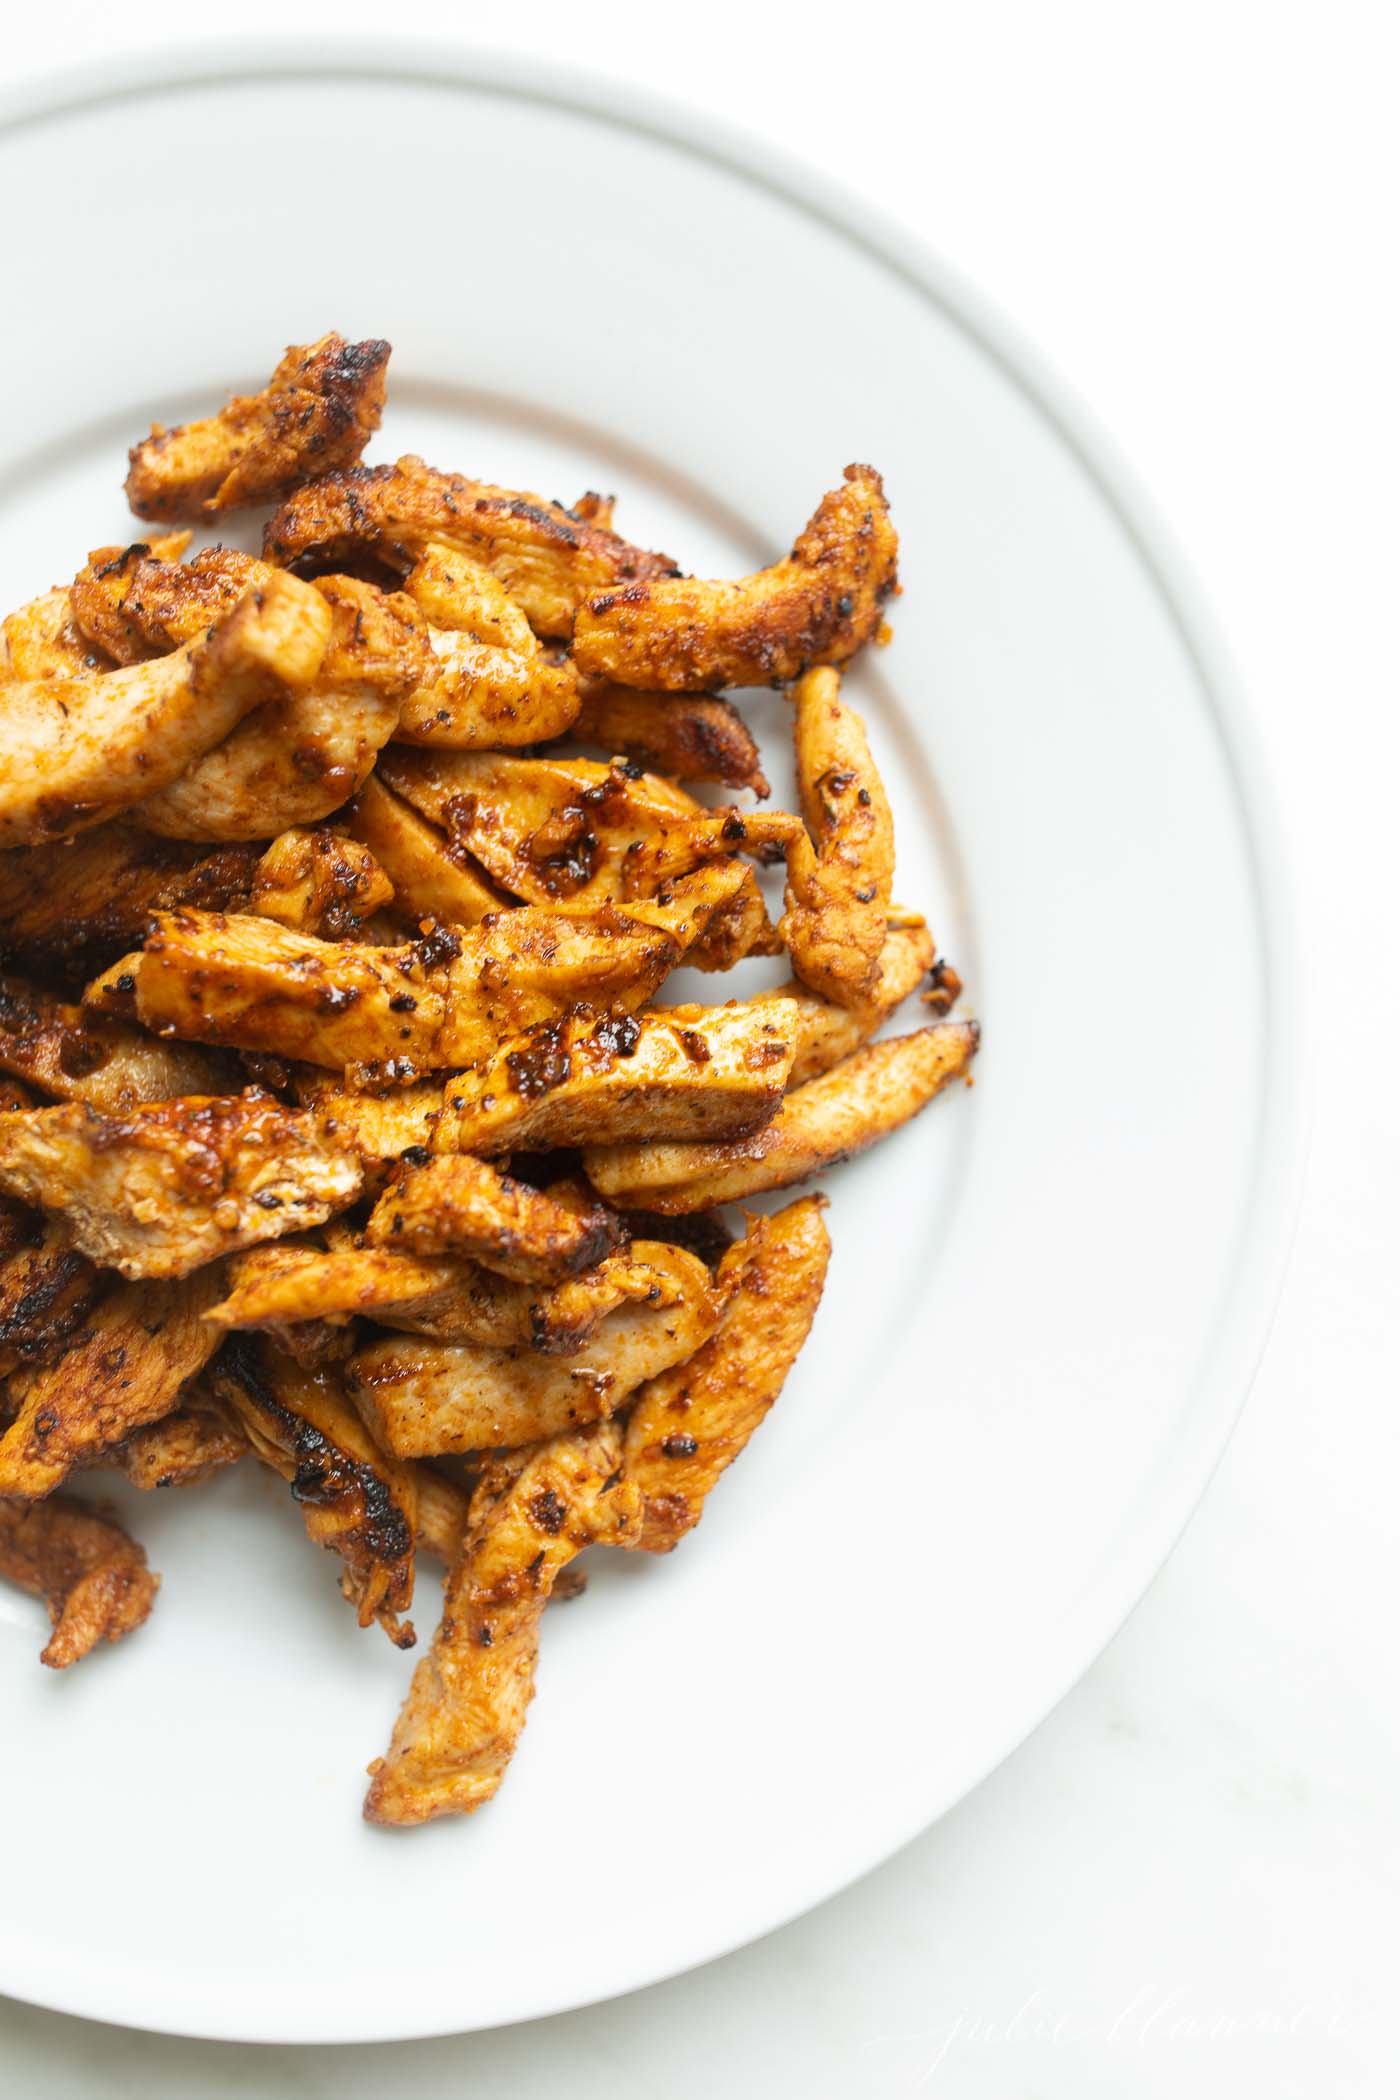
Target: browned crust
[(550, 559), (47, 1288), (316, 414), (454, 1204), (125, 1367), (355, 1502), (92, 1576), (698, 737), (73, 907), (818, 606), (183, 1448)]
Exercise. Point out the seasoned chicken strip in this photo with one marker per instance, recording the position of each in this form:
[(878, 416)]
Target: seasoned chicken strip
[(175, 1183), (183, 1448), (683, 1072), (839, 880), (829, 1033), (440, 1003), (47, 1288), (818, 1125), (548, 558), (454, 1204), (42, 640), (316, 881), (699, 738), (687, 1425), (105, 597), (317, 412), (298, 758), (76, 1055), (817, 606), (445, 1296), (532, 1512), (489, 682), (423, 1398), (73, 907), (73, 751), (45, 639), (126, 1367), (432, 878), (92, 1576), (376, 1127), (571, 833), (354, 1500)]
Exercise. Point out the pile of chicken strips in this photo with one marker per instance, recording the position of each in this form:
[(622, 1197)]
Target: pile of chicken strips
[(344, 1126)]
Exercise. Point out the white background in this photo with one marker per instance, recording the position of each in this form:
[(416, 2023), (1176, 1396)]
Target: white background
[(1187, 1880)]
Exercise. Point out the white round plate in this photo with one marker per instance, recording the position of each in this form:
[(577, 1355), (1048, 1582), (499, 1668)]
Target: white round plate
[(1047, 1297)]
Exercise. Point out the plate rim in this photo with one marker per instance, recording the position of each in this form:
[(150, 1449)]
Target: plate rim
[(1270, 1214)]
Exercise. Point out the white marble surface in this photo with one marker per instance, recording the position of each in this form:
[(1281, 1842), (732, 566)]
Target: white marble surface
[(1187, 1880)]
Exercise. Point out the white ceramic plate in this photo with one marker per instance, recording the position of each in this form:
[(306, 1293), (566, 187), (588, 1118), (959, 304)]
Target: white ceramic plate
[(1047, 1297)]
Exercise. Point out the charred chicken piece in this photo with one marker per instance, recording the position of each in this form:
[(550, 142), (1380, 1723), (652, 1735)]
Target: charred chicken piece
[(90, 1574), (839, 877), (317, 412), (686, 1426), (532, 1512), (125, 1366), (816, 607), (424, 1398), (75, 751), (454, 1204), (548, 558), (171, 1185), (830, 1119), (354, 1500)]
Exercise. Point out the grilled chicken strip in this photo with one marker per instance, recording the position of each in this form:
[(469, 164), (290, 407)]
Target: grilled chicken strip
[(444, 1296), (816, 607), (376, 1127), (699, 738), (317, 882), (76, 1055), (830, 1119), (354, 1500), (183, 1448), (317, 412), (569, 832), (90, 1574), (440, 1003), (839, 878), (432, 878), (47, 1288), (686, 1426), (296, 760), (532, 1512), (548, 558), (683, 1072), (174, 1184), (490, 682), (125, 1367), (73, 751), (424, 1398), (71, 908), (44, 639), (454, 1204), (41, 640), (826, 1033)]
